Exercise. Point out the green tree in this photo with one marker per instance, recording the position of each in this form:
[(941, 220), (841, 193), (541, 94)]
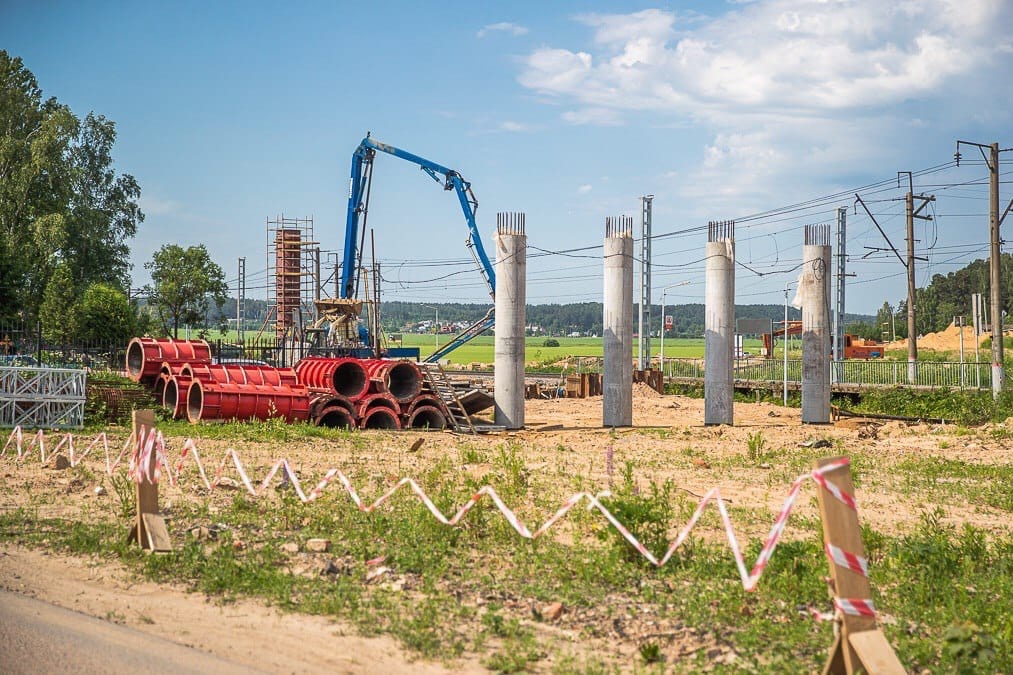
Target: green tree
[(102, 213), (59, 311), (105, 315), (185, 282), (60, 200), (885, 322), (35, 135)]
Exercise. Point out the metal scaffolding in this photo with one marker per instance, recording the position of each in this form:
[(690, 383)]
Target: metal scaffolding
[(51, 398), (291, 264)]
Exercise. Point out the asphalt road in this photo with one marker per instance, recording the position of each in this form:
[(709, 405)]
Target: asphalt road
[(37, 637)]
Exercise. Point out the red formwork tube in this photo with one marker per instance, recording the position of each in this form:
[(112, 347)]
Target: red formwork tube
[(402, 379), (380, 418), (424, 399), (381, 400), (335, 417), (175, 393), (236, 373), (345, 376), (145, 356), (320, 400), (160, 385), (169, 369), (427, 417), (218, 400)]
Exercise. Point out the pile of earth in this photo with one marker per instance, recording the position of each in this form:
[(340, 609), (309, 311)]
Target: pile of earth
[(946, 340)]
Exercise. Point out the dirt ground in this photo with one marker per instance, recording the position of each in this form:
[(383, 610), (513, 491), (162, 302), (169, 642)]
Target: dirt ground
[(563, 439), (946, 340)]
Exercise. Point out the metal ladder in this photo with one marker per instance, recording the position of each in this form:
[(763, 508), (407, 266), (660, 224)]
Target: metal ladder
[(440, 385)]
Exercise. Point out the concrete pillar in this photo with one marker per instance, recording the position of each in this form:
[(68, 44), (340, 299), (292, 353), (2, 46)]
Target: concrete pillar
[(511, 291), (814, 292), (719, 324), (617, 378)]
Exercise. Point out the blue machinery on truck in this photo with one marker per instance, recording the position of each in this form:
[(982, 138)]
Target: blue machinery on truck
[(355, 228)]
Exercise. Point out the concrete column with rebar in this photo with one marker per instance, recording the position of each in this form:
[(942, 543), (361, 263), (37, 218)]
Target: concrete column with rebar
[(814, 292), (617, 377), (511, 289), (719, 324)]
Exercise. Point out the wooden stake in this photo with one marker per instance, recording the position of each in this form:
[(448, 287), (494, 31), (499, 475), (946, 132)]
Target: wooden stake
[(149, 528), (860, 646)]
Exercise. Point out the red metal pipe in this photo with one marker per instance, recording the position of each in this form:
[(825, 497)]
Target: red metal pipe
[(319, 401), (345, 376), (236, 373), (425, 399), (427, 417), (145, 356), (169, 369), (216, 400), (383, 400), (160, 384), (174, 396), (380, 418), (402, 379), (335, 416)]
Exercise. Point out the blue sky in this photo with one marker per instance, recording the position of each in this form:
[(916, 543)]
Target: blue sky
[(231, 113)]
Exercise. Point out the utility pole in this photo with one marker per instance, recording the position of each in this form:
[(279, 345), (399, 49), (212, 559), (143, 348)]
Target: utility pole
[(912, 328), (995, 259), (840, 254), (241, 300), (644, 326)]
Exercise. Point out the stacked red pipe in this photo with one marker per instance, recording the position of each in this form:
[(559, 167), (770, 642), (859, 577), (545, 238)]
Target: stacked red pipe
[(229, 400), (369, 394), (145, 356), (333, 392)]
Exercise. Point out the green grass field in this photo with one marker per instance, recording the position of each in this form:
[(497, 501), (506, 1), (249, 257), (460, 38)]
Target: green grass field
[(480, 349)]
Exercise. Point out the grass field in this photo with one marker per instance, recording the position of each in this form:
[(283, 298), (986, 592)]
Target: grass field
[(481, 593), (481, 349)]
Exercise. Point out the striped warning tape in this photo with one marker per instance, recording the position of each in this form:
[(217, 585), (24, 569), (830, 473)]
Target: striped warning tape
[(855, 606), (140, 466), (855, 563)]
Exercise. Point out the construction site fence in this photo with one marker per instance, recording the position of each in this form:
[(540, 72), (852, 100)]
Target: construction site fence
[(858, 373), (25, 345)]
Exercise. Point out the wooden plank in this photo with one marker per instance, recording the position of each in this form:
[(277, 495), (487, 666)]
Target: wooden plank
[(875, 652), (835, 664), (841, 529), (156, 534), (149, 527)]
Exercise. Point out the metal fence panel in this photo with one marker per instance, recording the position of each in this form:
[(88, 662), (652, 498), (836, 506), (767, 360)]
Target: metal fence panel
[(860, 373), (42, 397)]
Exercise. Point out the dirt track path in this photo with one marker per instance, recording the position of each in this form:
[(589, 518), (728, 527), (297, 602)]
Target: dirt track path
[(243, 633)]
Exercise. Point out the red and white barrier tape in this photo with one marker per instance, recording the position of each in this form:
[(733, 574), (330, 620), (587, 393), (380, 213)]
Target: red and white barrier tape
[(855, 606), (140, 465), (855, 563)]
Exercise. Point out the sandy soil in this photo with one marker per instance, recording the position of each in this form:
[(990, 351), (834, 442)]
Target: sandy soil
[(564, 440), (946, 340)]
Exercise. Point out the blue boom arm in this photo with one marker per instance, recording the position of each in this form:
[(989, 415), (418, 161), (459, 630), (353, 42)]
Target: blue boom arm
[(358, 204)]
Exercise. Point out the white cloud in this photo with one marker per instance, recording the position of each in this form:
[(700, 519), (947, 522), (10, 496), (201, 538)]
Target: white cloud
[(788, 91), (604, 117), (774, 55), (513, 127), (584, 189), (502, 27)]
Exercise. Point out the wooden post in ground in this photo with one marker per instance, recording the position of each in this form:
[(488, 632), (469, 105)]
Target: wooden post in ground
[(860, 646), (149, 527)]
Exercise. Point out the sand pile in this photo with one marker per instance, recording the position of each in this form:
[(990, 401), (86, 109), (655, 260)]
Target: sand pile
[(947, 340)]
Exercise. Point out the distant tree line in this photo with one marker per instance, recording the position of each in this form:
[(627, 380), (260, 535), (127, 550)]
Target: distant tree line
[(947, 296), (583, 317)]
